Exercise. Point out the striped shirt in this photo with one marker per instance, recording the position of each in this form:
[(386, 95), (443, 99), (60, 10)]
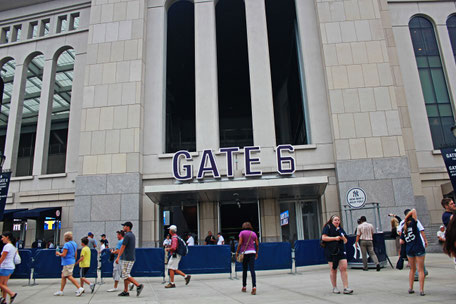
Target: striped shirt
[(365, 231)]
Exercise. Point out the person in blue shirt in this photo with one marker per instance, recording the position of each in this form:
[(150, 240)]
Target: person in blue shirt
[(117, 267), (415, 243), (68, 255)]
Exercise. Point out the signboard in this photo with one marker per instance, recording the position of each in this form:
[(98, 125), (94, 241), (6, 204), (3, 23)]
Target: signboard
[(356, 198), (4, 185), (449, 157), (284, 216)]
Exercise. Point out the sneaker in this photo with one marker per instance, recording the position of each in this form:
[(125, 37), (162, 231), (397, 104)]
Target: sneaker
[(378, 267), (79, 291), (336, 290), (132, 286), (244, 289), (348, 291), (421, 294), (112, 289), (253, 291), (170, 285), (58, 293), (410, 291), (123, 294), (187, 279), (139, 289), (92, 288)]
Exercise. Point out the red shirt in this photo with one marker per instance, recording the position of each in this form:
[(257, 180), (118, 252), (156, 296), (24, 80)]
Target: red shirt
[(174, 244)]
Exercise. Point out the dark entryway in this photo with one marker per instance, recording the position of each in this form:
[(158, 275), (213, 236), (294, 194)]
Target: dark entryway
[(233, 215)]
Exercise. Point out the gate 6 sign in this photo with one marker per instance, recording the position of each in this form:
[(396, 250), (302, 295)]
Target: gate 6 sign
[(356, 198)]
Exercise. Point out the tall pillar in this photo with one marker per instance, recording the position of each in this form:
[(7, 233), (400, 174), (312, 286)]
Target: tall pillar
[(260, 74), (44, 119), (206, 85), (15, 117)]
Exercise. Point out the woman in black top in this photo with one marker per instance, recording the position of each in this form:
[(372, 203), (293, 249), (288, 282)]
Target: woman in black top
[(334, 239)]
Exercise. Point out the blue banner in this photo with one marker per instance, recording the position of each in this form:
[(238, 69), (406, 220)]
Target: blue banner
[(449, 157), (4, 185)]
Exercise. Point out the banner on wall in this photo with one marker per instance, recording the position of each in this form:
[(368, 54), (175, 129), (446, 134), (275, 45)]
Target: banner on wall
[(4, 185), (449, 157)]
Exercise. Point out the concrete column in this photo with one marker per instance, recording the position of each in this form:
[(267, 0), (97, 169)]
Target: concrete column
[(44, 119), (156, 50), (260, 74), (208, 220), (207, 117), (15, 117)]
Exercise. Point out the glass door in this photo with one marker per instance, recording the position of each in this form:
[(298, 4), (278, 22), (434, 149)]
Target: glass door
[(288, 223), (310, 220)]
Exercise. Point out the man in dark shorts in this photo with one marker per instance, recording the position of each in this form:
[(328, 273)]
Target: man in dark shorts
[(127, 255)]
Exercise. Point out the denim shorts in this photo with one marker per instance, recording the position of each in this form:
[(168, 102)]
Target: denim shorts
[(416, 254), (6, 272)]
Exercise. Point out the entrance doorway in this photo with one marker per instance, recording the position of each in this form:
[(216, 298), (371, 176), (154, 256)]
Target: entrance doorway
[(234, 214), (185, 217), (303, 222)]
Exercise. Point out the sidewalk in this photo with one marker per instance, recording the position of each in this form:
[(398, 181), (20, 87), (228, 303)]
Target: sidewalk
[(310, 285)]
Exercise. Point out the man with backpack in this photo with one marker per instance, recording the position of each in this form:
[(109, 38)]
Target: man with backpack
[(177, 250)]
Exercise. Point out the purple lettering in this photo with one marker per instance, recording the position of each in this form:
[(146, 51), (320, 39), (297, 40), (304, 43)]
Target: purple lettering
[(212, 168), (177, 166), (229, 160), (249, 160), (289, 161)]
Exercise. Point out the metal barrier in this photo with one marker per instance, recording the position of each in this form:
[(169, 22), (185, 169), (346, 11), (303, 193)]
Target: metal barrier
[(309, 252), (272, 256), (354, 254), (24, 269), (206, 259), (149, 262)]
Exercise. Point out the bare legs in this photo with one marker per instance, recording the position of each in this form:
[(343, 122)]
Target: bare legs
[(171, 274), (343, 273), (127, 282), (4, 287)]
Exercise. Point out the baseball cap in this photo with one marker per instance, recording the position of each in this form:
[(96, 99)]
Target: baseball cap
[(128, 224), (90, 233), (442, 226), (406, 211), (103, 235), (173, 228)]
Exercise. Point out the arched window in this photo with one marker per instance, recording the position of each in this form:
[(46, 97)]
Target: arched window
[(29, 121), (7, 75), (235, 110), (287, 85), (58, 136), (451, 25), (180, 78), (433, 82)]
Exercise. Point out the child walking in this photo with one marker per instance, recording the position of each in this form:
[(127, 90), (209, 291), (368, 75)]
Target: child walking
[(84, 263)]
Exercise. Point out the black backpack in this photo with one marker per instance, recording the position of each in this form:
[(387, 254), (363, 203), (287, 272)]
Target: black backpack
[(182, 248)]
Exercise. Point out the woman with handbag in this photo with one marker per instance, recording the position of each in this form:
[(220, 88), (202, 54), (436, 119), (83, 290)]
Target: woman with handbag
[(249, 246), (334, 240), (7, 265)]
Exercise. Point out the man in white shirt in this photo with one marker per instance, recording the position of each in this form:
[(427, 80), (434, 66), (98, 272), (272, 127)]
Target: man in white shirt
[(190, 240), (220, 239), (441, 234)]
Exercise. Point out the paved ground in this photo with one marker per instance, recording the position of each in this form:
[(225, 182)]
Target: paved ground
[(310, 285)]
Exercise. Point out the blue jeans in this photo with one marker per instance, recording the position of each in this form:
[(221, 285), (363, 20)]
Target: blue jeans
[(248, 262)]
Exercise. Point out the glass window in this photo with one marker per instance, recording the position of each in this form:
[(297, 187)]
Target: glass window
[(287, 85), (45, 26), (451, 24), (17, 31), (5, 35), (180, 78), (29, 121), (7, 75), (58, 137), (33, 30), (235, 110), (74, 21), (62, 24), (433, 82)]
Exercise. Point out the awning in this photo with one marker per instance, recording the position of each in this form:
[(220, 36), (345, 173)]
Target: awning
[(9, 213), (38, 213), (245, 190)]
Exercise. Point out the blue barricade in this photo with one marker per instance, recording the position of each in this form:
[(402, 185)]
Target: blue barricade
[(309, 252), (354, 256), (272, 256), (47, 265), (206, 259), (24, 269), (149, 262)]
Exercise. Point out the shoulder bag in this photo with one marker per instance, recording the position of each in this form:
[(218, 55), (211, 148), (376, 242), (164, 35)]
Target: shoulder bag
[(17, 258), (240, 256)]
